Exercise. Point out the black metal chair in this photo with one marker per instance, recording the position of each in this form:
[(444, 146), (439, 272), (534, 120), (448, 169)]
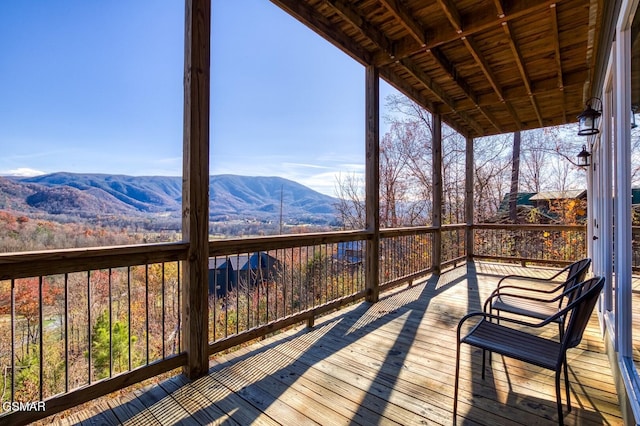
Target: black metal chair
[(539, 303), (525, 345)]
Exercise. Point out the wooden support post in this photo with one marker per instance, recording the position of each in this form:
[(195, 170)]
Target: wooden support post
[(195, 186), (436, 213), (372, 181), (468, 198)]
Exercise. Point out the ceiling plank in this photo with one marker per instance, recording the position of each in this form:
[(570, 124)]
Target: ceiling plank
[(484, 66), (523, 71), (451, 71)]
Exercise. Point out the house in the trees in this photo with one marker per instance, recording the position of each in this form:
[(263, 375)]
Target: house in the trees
[(351, 252), (547, 206), (227, 273)]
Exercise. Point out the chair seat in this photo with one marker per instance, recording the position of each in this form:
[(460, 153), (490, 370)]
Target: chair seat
[(529, 308), (515, 344)]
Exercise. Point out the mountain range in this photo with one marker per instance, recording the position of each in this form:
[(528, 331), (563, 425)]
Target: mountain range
[(97, 195)]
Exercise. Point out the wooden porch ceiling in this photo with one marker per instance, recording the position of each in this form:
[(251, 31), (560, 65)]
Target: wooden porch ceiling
[(487, 66)]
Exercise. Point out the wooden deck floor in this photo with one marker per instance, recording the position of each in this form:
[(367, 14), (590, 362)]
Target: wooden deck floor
[(388, 363)]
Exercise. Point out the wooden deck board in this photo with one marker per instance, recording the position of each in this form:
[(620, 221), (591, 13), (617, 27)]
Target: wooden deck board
[(389, 363)]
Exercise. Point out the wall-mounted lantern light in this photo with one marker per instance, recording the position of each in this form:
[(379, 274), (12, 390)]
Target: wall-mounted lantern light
[(588, 120), (584, 157), (634, 110)]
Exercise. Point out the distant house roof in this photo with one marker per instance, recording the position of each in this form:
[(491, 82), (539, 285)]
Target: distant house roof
[(522, 199), (559, 195), (242, 262)]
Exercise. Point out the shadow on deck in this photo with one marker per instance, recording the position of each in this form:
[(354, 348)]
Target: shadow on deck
[(387, 363)]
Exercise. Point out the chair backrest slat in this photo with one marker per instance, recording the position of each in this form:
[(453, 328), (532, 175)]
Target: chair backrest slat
[(576, 274), (580, 309)]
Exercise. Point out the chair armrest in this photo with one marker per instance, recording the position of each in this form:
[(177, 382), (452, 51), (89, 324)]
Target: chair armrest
[(487, 316), (498, 293), (524, 277), (535, 290), (495, 294)]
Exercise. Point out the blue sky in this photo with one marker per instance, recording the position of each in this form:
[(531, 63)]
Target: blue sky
[(96, 86)]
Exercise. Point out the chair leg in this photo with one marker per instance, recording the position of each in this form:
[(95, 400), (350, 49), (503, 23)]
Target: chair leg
[(566, 383), (455, 387), (559, 398), (484, 353)]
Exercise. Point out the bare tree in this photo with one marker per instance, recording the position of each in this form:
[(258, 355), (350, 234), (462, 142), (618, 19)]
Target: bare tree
[(350, 204), (491, 179)]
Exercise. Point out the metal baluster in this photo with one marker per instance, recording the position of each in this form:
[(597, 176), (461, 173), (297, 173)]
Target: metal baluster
[(13, 341), (146, 307), (66, 333), (129, 313), (41, 320), (110, 326), (162, 314), (89, 323)]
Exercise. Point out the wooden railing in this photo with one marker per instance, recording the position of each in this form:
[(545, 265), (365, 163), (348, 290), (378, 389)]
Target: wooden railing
[(77, 324), (80, 323), (553, 244)]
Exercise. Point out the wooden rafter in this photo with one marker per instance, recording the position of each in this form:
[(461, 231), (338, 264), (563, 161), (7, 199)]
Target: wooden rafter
[(452, 14), (448, 68), (414, 28), (432, 51), (556, 47), (418, 33), (436, 37), (428, 82), (305, 13), (523, 71), (349, 14), (499, 8), (484, 66)]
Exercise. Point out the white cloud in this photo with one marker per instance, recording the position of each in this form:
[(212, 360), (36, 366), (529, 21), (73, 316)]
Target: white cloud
[(22, 172)]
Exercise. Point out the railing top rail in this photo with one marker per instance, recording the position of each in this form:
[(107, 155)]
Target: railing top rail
[(51, 262), (396, 232), (537, 227), (239, 245)]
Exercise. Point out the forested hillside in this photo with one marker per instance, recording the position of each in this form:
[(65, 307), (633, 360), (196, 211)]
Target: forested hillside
[(155, 202)]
